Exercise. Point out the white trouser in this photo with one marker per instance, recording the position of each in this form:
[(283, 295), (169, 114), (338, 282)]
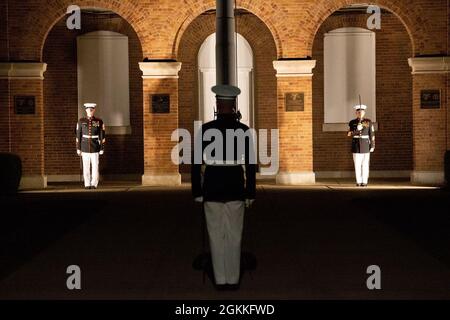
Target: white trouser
[(88, 160), (361, 161), (225, 222)]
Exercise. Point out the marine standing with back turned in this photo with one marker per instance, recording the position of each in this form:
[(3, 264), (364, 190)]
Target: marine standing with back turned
[(225, 189)]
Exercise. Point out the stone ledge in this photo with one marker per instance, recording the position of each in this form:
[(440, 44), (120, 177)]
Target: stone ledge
[(429, 65), (161, 180), (160, 70), (33, 182), (435, 178), (294, 68), (22, 70), (296, 178)]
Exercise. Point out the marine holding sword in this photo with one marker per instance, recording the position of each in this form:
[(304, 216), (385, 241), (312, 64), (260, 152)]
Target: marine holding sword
[(362, 132)]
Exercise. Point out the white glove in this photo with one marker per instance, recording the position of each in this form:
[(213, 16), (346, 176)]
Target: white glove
[(198, 199), (360, 127), (79, 152), (372, 149), (249, 202), (102, 152)]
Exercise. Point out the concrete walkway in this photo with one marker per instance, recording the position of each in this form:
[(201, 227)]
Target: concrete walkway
[(311, 242)]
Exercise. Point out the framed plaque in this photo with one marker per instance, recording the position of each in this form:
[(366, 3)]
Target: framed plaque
[(160, 103), (430, 99), (24, 104), (295, 101)]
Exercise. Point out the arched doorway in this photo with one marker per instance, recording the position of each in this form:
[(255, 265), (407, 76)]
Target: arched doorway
[(123, 158), (259, 41), (207, 79), (390, 96)]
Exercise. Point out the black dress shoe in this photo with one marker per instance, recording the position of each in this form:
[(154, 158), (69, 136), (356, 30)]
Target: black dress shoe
[(359, 185), (364, 185), (86, 188)]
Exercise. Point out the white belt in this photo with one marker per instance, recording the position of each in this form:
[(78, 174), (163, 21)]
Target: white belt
[(89, 137), (361, 137)]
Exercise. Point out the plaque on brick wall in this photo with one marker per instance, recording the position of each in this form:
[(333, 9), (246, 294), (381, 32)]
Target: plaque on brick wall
[(295, 101), (24, 104), (430, 99), (160, 103)]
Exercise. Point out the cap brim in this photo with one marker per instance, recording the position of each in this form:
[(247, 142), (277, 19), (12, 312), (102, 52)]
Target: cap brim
[(226, 91)]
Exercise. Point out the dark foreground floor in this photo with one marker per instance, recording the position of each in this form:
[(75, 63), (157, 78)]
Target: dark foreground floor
[(139, 243)]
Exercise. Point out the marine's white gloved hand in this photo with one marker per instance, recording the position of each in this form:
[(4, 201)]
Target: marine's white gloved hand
[(198, 199), (372, 149), (102, 152), (249, 202), (79, 152), (360, 127)]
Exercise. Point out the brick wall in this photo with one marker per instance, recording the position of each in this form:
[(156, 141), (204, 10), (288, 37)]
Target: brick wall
[(27, 130), (264, 53), (296, 136), (393, 100), (4, 83), (124, 153), (448, 81), (283, 29), (430, 125), (4, 116), (160, 24), (158, 128), (3, 32)]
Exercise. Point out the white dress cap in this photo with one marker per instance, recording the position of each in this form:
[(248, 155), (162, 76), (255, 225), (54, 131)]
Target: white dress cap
[(90, 105), (360, 107)]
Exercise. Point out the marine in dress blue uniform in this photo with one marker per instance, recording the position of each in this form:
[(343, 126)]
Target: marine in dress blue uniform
[(225, 188), (362, 132), (90, 142)]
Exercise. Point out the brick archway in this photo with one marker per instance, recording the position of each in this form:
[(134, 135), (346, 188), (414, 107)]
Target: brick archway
[(264, 53), (133, 13), (293, 27), (159, 35), (123, 158), (393, 158), (269, 13), (412, 18)]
